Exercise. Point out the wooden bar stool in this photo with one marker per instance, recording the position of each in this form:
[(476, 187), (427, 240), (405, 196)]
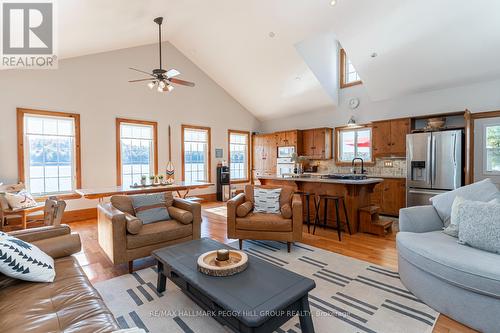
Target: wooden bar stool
[(336, 199), (307, 197)]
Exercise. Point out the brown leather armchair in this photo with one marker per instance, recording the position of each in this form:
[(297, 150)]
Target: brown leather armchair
[(121, 245), (68, 304), (286, 227)]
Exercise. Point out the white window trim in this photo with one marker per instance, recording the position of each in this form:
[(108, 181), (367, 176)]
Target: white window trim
[(27, 155), (151, 150), (207, 164), (355, 130), (484, 153), (247, 154)]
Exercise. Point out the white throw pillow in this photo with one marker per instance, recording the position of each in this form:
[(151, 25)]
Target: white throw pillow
[(484, 191), (266, 200), (20, 200), (479, 224), (25, 261), (454, 226)]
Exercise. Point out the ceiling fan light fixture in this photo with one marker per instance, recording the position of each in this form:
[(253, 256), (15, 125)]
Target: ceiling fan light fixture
[(159, 77)]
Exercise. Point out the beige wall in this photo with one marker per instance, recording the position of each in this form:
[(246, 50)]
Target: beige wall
[(96, 87)]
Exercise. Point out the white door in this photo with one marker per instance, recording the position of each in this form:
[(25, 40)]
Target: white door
[(487, 149)]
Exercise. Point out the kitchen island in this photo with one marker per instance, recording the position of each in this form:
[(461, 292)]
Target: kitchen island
[(356, 194)]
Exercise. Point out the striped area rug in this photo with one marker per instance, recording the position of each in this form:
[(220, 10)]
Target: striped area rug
[(350, 296)]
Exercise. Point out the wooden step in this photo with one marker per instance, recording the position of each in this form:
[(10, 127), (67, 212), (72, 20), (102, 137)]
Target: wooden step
[(372, 209), (383, 223)]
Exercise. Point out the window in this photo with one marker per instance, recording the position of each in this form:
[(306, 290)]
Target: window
[(195, 153), (137, 150), (48, 151), (354, 143), (491, 152), (239, 160), (348, 75)]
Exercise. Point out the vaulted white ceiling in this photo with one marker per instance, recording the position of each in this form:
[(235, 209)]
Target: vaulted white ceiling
[(421, 45)]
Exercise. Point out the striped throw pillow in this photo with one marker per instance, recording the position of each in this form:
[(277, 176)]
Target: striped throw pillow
[(150, 207), (266, 200)]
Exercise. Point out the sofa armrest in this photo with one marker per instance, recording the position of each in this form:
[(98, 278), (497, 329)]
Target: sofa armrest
[(419, 219), (232, 205), (39, 233), (297, 217), (112, 232), (195, 209), (61, 246)]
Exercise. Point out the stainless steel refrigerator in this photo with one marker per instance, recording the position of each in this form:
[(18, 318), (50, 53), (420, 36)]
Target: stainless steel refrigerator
[(434, 165)]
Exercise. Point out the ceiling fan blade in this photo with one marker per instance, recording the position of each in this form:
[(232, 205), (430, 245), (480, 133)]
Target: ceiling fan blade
[(173, 72), (139, 80), (138, 70), (182, 82)]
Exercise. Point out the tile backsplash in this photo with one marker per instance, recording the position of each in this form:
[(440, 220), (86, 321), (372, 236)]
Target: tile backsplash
[(381, 167)]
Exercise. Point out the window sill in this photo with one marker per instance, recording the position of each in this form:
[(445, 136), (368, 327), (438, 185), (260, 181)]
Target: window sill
[(240, 181), (62, 196), (350, 84)]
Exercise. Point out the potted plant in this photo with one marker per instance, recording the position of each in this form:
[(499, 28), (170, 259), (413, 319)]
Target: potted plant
[(144, 180), (299, 163), (151, 179), (160, 177)]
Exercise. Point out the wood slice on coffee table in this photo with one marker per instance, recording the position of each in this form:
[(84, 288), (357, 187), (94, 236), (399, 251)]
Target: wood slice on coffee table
[(210, 264)]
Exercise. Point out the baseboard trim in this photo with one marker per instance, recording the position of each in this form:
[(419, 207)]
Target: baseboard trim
[(68, 216)]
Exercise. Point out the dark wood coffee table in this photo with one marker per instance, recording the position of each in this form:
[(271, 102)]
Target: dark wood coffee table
[(259, 299)]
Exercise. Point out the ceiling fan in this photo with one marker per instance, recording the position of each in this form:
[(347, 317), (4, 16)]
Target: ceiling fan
[(160, 78)]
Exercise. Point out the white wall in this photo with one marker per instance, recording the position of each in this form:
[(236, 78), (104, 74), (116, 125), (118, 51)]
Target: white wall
[(477, 97), (96, 87)]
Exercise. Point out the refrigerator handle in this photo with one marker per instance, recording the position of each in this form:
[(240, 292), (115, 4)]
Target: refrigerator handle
[(433, 159), (429, 161)]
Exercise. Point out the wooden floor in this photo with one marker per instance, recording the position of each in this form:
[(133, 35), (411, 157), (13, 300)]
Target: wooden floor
[(374, 249)]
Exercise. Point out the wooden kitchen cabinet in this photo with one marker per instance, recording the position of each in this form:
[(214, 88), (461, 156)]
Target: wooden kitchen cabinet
[(389, 137), (317, 143), (291, 138), (264, 154), (390, 196)]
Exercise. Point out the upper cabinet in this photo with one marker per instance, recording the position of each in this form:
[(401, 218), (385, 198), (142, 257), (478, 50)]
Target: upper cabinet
[(291, 138), (317, 143), (389, 137)]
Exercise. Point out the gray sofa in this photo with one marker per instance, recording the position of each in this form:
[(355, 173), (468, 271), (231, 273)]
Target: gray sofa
[(456, 280)]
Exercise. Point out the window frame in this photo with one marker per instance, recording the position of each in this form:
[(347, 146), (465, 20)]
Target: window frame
[(343, 72), (338, 131), (484, 149), (209, 149), (21, 112), (118, 123), (249, 149)]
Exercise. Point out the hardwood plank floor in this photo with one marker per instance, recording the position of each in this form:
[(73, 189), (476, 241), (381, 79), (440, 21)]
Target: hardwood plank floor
[(374, 249)]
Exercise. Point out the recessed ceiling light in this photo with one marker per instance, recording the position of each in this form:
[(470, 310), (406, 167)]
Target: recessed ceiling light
[(333, 2)]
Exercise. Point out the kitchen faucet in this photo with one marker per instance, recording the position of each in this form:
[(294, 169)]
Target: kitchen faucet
[(362, 165)]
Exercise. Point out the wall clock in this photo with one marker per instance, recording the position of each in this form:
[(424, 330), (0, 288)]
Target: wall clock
[(354, 103)]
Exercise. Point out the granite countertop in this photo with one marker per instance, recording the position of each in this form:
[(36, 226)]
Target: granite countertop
[(370, 175), (329, 181)]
